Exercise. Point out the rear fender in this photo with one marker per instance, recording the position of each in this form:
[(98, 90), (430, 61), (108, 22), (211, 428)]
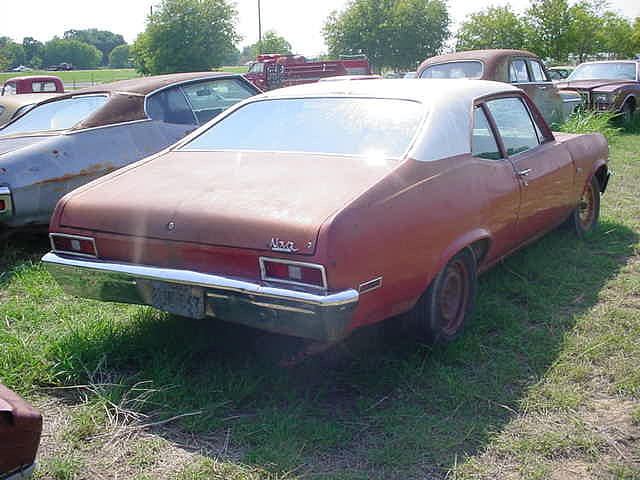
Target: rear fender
[(462, 242)]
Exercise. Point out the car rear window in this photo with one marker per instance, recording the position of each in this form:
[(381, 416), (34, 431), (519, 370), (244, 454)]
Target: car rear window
[(351, 126), (467, 69), (58, 115)]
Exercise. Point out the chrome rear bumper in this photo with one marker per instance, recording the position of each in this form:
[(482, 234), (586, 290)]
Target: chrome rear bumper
[(322, 317)]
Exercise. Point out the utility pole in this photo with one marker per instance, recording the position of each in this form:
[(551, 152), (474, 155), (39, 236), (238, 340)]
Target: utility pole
[(259, 30)]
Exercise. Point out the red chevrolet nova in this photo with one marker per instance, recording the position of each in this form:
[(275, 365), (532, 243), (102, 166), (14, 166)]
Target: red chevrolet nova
[(315, 210)]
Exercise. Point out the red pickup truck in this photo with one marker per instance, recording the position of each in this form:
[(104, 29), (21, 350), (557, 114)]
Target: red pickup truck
[(33, 84), (271, 71)]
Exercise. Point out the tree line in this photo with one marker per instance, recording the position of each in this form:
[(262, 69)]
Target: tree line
[(190, 35), (90, 48)]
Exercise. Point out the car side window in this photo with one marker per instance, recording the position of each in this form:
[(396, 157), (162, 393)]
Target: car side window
[(537, 71), (9, 89), (518, 71), (483, 143), (208, 99), (170, 106), (515, 126)]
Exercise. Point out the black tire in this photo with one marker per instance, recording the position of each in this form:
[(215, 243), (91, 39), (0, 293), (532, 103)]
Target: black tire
[(584, 218), (445, 308), (626, 114)]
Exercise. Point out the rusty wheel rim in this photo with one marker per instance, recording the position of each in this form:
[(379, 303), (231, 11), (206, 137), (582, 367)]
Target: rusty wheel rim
[(454, 296), (586, 208)]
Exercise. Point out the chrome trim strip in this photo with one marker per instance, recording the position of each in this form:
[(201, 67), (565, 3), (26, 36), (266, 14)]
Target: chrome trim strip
[(5, 191), (188, 277), (370, 285), (275, 306), (263, 272), (73, 237)]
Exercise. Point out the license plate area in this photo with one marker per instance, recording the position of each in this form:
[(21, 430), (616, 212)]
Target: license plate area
[(182, 300)]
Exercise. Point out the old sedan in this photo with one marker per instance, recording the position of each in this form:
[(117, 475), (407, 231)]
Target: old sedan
[(518, 67), (12, 106), (355, 202), (609, 86), (67, 141)]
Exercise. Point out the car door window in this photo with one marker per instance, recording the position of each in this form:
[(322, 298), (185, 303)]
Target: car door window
[(518, 71), (514, 124), (208, 99), (537, 71), (9, 89), (170, 106), (483, 143)]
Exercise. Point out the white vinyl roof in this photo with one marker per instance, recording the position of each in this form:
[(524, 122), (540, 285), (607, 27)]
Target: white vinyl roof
[(448, 105)]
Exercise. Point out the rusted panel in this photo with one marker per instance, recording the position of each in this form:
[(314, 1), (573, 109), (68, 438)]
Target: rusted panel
[(103, 168)]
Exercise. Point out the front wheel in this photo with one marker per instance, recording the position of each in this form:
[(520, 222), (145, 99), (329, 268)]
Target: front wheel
[(445, 308), (584, 218)]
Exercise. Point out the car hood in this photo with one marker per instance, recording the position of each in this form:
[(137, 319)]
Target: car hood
[(249, 200), (588, 85), (12, 143)]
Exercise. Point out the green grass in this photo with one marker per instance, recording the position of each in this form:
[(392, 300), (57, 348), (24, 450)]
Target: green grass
[(80, 76), (546, 378)]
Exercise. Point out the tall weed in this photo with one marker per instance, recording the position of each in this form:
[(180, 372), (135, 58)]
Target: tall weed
[(591, 122)]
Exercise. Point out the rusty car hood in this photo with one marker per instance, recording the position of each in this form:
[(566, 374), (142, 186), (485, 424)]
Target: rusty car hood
[(15, 142), (591, 84), (238, 199)]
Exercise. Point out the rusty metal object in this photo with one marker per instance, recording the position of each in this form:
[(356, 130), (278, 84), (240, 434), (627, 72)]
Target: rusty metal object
[(20, 429)]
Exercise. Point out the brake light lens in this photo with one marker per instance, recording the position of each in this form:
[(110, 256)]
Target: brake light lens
[(3, 205), (295, 273), (73, 244)]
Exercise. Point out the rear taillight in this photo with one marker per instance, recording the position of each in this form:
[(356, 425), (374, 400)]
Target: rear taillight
[(294, 273), (5, 200), (3, 205), (73, 244)]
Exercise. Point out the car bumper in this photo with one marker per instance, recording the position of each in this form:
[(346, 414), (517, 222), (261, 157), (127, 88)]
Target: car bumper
[(322, 317), (22, 474)]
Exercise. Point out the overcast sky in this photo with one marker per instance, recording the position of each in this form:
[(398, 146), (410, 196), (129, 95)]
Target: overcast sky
[(299, 21)]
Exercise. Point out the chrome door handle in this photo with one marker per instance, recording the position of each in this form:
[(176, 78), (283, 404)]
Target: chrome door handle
[(544, 87), (524, 173)]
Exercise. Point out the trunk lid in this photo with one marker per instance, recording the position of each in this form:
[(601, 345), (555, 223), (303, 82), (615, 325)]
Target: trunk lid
[(254, 200)]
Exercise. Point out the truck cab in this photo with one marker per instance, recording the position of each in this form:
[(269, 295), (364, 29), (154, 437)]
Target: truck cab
[(32, 84)]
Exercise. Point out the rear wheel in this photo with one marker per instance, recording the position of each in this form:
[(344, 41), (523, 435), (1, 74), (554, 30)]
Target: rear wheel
[(444, 309), (627, 112), (584, 218)]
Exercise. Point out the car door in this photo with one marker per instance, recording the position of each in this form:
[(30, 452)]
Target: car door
[(543, 166), (529, 75)]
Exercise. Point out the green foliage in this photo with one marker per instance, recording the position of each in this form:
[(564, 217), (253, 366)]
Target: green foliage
[(548, 28), (33, 52), (119, 57), (13, 54), (617, 35), (80, 54), (186, 35), (392, 33), (591, 122), (272, 43), (494, 27), (583, 36), (103, 40)]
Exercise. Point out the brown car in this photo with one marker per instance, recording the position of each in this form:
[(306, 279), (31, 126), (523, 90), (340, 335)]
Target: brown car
[(20, 428), (607, 86), (518, 67), (389, 196)]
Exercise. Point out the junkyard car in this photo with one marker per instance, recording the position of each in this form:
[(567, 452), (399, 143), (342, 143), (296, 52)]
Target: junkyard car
[(12, 106), (356, 202), (67, 141), (32, 84), (518, 67), (610, 86), (560, 72), (20, 429)]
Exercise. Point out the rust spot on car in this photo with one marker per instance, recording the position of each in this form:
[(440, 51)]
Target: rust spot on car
[(102, 168)]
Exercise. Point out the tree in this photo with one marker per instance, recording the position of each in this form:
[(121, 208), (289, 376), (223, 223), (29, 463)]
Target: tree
[(494, 27), (585, 23), (271, 43), (392, 33), (186, 35), (617, 36), (13, 54), (548, 23), (103, 40), (33, 51), (119, 57), (80, 54)]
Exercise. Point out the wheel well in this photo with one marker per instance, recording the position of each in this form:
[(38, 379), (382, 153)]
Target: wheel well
[(480, 249), (601, 176)]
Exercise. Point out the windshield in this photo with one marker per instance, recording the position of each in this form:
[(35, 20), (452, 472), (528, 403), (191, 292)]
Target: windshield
[(608, 70), (351, 126), (453, 70), (58, 115)]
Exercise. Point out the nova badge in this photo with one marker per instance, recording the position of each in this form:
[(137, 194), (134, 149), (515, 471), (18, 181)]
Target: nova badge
[(278, 245)]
